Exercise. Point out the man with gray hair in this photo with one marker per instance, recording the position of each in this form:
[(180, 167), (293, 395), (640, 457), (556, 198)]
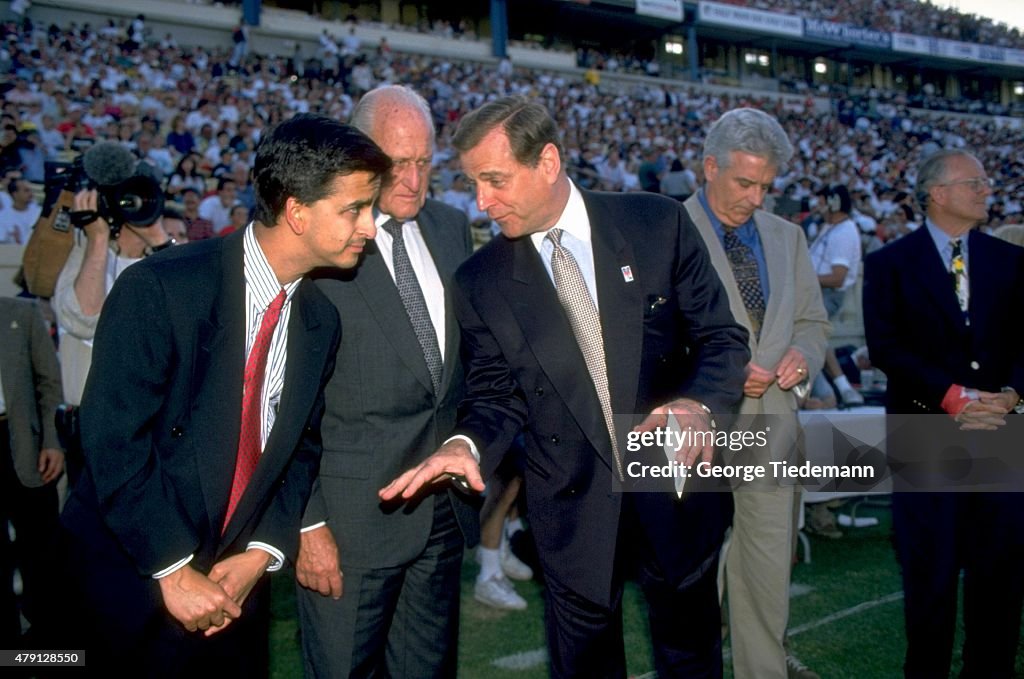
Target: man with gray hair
[(942, 319), (773, 292), (380, 581)]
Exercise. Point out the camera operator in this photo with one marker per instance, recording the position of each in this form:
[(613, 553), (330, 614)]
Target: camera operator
[(96, 260)]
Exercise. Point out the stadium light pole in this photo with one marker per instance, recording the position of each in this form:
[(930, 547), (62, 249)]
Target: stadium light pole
[(499, 28), (251, 12)]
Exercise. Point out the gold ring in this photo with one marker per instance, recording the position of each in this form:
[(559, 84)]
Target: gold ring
[(801, 371)]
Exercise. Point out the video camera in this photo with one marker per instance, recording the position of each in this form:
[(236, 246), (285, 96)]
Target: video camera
[(125, 196)]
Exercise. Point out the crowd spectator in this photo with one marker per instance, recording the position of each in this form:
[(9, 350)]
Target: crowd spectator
[(197, 227), (18, 217), (179, 138), (217, 207), (186, 175)]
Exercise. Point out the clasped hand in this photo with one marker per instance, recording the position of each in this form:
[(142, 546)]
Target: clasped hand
[(210, 603)]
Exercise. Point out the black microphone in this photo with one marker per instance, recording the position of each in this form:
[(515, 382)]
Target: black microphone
[(108, 163)]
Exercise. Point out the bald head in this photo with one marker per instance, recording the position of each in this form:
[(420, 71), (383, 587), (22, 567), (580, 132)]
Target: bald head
[(399, 121)]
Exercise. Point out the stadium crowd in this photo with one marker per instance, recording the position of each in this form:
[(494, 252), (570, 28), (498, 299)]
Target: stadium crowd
[(195, 118), (902, 16)]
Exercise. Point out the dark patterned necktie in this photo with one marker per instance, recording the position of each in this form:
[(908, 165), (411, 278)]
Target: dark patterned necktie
[(415, 304), (958, 268), (250, 444), (586, 327), (748, 278)]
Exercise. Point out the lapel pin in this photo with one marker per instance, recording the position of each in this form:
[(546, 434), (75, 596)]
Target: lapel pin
[(627, 274), (14, 325)]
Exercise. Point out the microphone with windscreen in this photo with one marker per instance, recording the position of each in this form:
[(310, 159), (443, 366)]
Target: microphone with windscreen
[(107, 163)]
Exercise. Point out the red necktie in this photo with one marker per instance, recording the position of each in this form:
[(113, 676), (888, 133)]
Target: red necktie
[(249, 443)]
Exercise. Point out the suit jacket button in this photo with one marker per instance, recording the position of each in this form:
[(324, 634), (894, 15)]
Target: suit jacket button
[(555, 439), (177, 432), (539, 391), (975, 365)]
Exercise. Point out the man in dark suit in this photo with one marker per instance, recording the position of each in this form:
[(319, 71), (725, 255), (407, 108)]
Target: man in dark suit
[(395, 610), (195, 484), (630, 319), (31, 461), (941, 316)]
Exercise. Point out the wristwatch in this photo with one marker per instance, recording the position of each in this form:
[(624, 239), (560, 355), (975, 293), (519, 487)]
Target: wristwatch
[(163, 246), (1019, 406)]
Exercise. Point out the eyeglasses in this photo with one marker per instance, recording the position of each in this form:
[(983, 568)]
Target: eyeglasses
[(977, 184)]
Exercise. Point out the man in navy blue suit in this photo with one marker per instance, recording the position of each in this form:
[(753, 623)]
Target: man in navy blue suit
[(590, 314), (194, 487), (942, 319)]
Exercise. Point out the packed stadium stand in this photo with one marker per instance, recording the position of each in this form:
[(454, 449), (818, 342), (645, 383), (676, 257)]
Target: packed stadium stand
[(169, 83)]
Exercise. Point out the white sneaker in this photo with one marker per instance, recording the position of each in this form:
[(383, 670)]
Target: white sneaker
[(498, 592), (797, 670), (511, 565), (851, 397), (847, 521)]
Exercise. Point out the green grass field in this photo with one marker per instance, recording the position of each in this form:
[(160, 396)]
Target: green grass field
[(847, 623)]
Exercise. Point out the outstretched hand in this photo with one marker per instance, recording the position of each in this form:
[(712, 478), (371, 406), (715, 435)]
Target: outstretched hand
[(453, 459)]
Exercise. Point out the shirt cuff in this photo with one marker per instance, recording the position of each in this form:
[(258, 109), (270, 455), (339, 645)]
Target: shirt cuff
[(277, 557), (957, 398), (176, 566), (472, 446), (313, 527)]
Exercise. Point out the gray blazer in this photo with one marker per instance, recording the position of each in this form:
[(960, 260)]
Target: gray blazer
[(795, 315), (31, 379), (382, 416)]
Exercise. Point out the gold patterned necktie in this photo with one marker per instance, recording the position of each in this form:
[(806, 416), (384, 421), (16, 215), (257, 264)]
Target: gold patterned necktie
[(586, 326), (958, 268)]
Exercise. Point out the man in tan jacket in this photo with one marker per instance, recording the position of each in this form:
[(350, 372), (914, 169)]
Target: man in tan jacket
[(773, 292)]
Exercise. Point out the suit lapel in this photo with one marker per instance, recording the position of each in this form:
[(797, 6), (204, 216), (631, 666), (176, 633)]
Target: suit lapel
[(772, 247), (934, 277), (218, 367), (11, 335), (622, 306), (378, 289), (983, 279)]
